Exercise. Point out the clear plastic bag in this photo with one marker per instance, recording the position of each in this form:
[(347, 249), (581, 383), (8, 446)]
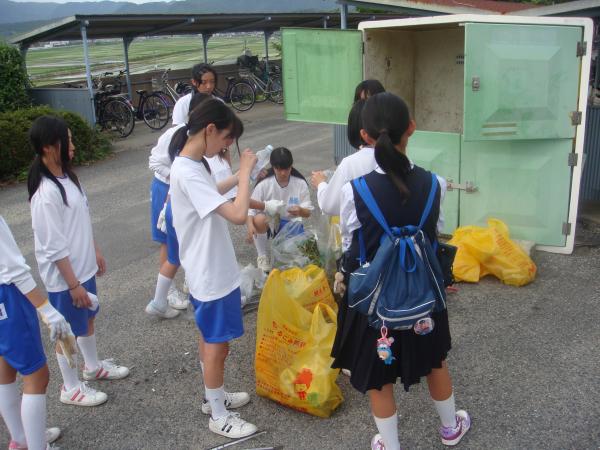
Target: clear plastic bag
[(295, 246)]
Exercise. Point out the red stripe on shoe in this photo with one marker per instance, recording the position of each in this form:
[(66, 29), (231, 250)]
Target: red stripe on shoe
[(74, 396)]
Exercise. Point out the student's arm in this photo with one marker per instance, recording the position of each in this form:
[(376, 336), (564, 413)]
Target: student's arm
[(305, 208), (100, 261), (237, 211), (77, 291), (227, 184), (257, 204), (328, 194)]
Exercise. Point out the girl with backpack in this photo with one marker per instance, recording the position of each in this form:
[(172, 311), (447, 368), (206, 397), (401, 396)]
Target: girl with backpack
[(401, 190), (200, 216), (67, 255)]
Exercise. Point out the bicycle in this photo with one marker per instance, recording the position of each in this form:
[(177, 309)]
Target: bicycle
[(239, 93), (272, 89), (114, 111), (169, 94)]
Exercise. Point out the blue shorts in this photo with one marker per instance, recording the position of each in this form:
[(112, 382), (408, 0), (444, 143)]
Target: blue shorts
[(158, 195), (172, 242), (77, 317), (20, 339), (282, 223), (220, 320)]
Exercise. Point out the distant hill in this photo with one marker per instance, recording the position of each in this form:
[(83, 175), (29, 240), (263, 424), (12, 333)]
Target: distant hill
[(18, 12)]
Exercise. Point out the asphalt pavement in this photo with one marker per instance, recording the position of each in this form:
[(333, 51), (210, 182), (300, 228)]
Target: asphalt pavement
[(525, 361)]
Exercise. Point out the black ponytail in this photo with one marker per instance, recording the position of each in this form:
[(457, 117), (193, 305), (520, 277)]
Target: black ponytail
[(208, 111), (49, 130), (180, 136), (385, 117)]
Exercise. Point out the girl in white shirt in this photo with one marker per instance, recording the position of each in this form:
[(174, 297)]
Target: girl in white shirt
[(67, 255), (200, 216), (204, 80), (283, 190), (21, 349)]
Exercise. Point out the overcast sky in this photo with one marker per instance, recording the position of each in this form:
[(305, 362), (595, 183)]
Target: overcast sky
[(66, 1)]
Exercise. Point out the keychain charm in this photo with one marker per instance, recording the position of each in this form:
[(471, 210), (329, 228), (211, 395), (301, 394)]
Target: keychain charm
[(424, 326), (384, 347)]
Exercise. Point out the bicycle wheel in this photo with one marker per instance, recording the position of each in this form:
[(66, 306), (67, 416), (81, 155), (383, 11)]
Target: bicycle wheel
[(167, 99), (155, 112), (118, 118), (242, 96), (275, 89)]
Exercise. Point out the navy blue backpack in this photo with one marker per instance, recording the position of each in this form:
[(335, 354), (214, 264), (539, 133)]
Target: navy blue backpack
[(403, 283)]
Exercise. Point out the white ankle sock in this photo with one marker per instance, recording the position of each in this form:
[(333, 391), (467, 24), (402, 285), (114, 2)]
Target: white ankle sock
[(163, 286), (260, 241), (87, 345), (33, 414), (69, 374), (388, 428), (447, 411), (10, 410), (216, 398)]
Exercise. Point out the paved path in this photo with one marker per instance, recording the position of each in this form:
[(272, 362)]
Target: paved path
[(524, 360)]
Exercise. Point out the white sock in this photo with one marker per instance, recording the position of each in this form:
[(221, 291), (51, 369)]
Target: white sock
[(163, 285), (216, 398), (69, 374), (447, 411), (87, 345), (10, 410), (260, 241), (388, 428), (33, 414)]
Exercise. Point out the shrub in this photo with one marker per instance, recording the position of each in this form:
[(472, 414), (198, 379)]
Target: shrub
[(16, 153), (13, 79)]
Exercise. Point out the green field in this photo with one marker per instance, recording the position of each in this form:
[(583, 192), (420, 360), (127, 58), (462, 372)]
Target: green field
[(60, 64)]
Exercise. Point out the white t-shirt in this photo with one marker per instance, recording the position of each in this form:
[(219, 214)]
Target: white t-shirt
[(220, 169), (349, 220), (13, 268), (269, 189), (159, 161), (352, 166), (182, 108), (60, 230), (205, 247)]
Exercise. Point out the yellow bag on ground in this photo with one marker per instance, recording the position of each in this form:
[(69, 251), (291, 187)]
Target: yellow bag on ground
[(484, 251), (294, 334)]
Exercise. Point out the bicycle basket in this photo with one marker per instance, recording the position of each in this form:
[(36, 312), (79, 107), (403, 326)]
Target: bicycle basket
[(157, 84), (244, 73)]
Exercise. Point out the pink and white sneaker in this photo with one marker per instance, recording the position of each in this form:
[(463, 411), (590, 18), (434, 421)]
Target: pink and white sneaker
[(52, 434), (377, 442), (452, 436), (107, 370), (82, 395)]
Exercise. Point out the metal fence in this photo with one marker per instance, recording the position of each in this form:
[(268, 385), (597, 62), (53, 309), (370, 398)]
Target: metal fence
[(590, 180), (73, 100)]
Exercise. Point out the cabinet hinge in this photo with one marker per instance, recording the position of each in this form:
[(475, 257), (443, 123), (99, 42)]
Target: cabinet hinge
[(566, 228), (363, 47), (573, 158), (467, 186), (575, 117), (581, 48)]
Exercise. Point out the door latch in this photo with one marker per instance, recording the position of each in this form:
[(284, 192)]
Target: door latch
[(467, 186), (475, 83)]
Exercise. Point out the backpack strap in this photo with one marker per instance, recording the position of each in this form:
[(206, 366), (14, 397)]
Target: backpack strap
[(430, 199), (365, 193)]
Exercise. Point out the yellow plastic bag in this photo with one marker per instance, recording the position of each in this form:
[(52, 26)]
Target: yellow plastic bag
[(295, 331), (484, 251)]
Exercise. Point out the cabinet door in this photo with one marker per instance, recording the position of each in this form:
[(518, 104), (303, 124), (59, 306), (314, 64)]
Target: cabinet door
[(439, 153), (321, 69), (526, 184), (521, 81)]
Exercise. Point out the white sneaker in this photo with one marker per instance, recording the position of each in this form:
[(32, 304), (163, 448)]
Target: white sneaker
[(107, 370), (177, 299), (82, 395), (153, 310), (52, 434), (231, 426), (262, 262), (346, 372), (377, 442), (232, 400)]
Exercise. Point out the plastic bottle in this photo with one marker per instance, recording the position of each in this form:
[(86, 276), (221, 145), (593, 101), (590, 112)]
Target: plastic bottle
[(263, 157)]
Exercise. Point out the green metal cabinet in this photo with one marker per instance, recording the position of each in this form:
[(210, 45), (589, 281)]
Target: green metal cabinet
[(498, 100)]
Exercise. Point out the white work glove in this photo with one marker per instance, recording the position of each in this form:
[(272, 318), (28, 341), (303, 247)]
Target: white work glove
[(94, 299), (273, 207), (161, 222), (339, 287), (59, 327)]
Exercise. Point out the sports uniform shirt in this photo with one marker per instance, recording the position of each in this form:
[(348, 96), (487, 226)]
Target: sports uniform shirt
[(159, 161), (269, 189), (220, 170), (13, 268), (60, 231), (181, 109), (205, 247)]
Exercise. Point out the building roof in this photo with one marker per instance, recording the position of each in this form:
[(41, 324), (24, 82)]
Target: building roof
[(434, 7), (578, 8), (135, 25)]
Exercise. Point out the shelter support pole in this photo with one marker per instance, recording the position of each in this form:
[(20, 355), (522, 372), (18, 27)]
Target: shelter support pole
[(325, 19), (267, 34), (205, 38), (126, 42), (88, 72), (343, 16), (23, 49)]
